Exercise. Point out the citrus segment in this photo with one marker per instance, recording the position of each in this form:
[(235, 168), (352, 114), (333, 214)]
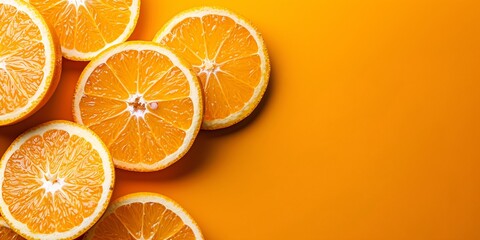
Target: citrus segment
[(145, 216), (229, 57), (86, 28), (143, 101), (56, 179), (30, 61)]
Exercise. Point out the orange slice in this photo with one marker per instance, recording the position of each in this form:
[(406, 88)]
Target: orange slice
[(86, 28), (6, 233), (30, 61), (143, 101), (57, 180), (228, 55), (145, 216)]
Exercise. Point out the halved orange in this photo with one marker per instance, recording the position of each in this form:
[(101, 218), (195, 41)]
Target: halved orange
[(143, 101), (6, 233), (86, 28), (228, 55), (30, 61), (56, 181), (145, 215)]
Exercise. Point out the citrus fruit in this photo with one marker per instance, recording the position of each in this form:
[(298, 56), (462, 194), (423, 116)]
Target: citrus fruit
[(6, 233), (143, 101), (85, 28), (30, 61), (228, 55), (57, 179), (145, 216)]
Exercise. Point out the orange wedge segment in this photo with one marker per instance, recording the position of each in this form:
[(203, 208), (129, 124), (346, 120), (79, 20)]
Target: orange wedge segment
[(143, 101), (56, 181), (86, 28), (30, 61), (6, 233), (145, 216), (228, 55)]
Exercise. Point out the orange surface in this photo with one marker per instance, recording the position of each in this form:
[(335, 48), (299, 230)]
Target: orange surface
[(369, 128)]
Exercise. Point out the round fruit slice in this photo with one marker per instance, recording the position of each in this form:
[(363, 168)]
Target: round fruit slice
[(6, 233), (57, 180), (86, 28), (143, 101), (145, 216), (30, 61), (229, 57)]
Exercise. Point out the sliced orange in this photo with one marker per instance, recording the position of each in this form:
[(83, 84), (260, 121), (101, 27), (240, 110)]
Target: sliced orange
[(56, 181), (86, 28), (143, 101), (6, 233), (228, 55), (30, 61), (145, 216)]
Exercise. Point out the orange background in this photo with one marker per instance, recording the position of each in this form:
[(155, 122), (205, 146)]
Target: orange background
[(369, 128)]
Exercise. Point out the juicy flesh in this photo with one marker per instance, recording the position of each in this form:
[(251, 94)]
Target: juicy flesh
[(143, 221), (225, 57), (85, 26), (22, 59), (139, 103), (53, 181)]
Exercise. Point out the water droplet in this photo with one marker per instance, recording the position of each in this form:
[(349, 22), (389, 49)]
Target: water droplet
[(153, 105)]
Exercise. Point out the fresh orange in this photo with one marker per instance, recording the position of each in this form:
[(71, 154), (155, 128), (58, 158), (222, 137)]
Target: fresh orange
[(145, 216), (6, 233), (86, 28), (228, 55), (56, 181), (143, 101), (30, 61)]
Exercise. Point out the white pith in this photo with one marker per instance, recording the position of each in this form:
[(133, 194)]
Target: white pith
[(52, 183), (137, 112), (77, 3)]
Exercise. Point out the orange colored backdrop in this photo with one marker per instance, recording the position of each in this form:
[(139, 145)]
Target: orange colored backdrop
[(369, 128)]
